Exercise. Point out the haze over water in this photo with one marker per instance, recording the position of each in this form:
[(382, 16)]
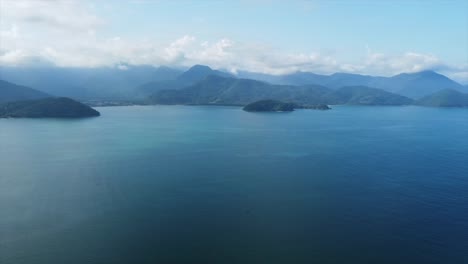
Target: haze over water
[(181, 184)]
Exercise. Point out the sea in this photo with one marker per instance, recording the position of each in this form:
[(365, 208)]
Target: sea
[(215, 184)]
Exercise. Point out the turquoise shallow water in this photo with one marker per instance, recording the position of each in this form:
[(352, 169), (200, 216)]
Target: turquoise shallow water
[(181, 184)]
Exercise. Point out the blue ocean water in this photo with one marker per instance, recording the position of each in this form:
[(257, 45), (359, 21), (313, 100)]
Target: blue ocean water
[(202, 184)]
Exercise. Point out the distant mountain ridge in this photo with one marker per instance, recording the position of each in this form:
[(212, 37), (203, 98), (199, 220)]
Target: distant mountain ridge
[(417, 85), (363, 95), (88, 83), (194, 74), (130, 82), (231, 91), (199, 72), (12, 92), (414, 85), (445, 98)]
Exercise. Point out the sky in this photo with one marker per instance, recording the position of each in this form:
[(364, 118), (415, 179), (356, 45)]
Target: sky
[(384, 37)]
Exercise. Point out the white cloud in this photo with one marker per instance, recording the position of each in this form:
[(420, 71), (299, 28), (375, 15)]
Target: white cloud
[(458, 73), (12, 57), (175, 52), (407, 62), (60, 14), (69, 33)]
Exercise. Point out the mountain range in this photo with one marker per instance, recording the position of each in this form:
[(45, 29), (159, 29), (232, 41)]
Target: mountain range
[(445, 98), (363, 95), (88, 83), (413, 85), (21, 101), (232, 91), (203, 85), (193, 75)]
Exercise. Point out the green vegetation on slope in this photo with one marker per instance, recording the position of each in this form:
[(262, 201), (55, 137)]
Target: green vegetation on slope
[(362, 95), (445, 98), (49, 107), (231, 91)]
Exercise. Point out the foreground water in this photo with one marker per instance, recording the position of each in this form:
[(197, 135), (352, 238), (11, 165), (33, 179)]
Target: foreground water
[(175, 184)]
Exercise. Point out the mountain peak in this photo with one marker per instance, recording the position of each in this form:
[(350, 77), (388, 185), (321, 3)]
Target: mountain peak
[(425, 73), (199, 67), (199, 72), (428, 73)]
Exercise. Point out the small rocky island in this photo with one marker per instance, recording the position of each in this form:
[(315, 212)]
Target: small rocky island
[(278, 106), (316, 107), (269, 106), (52, 107)]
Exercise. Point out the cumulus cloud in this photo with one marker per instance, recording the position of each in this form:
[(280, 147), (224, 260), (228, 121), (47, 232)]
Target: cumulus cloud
[(68, 33), (175, 52)]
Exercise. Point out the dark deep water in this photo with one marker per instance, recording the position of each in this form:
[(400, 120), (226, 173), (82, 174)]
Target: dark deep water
[(180, 184)]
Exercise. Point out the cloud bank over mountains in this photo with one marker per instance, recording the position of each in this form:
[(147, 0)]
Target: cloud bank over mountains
[(70, 34)]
